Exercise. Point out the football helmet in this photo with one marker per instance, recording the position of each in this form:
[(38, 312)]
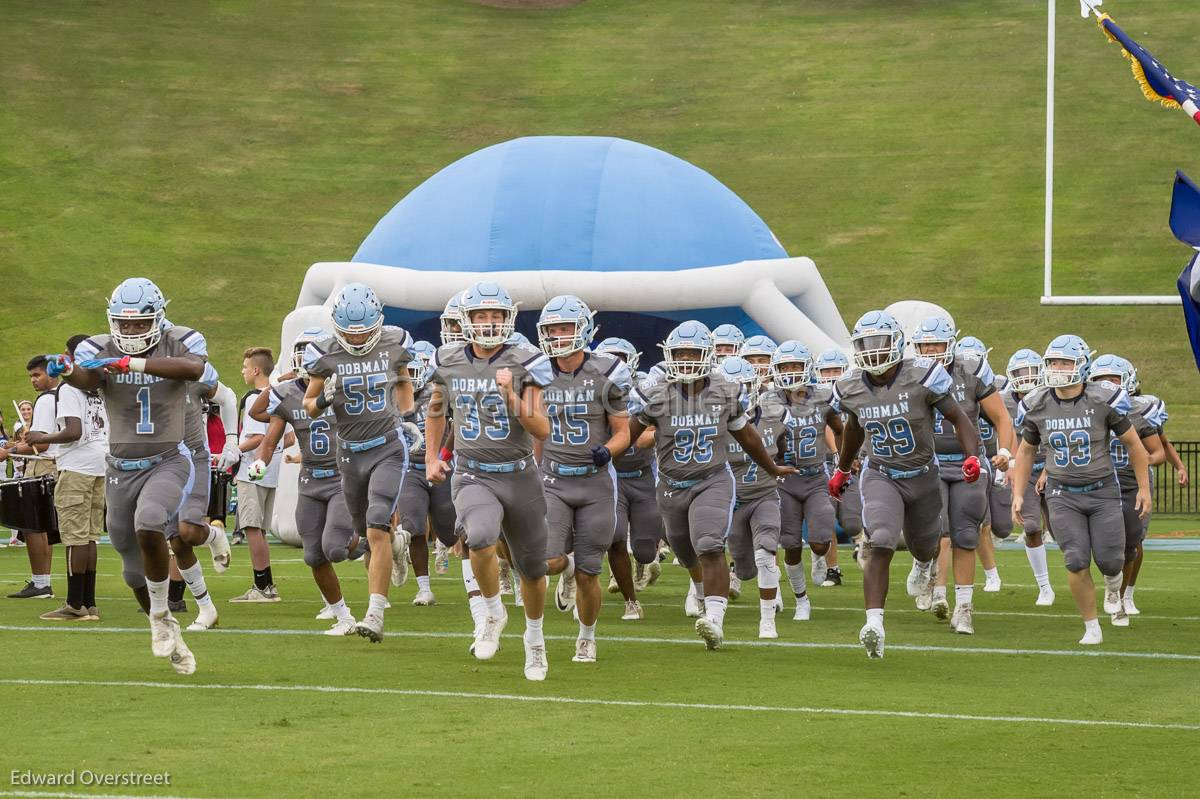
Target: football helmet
[(828, 361), (136, 299), (423, 350), (690, 335), (1066, 348), (738, 370), (970, 345), (935, 330), (760, 349), (565, 309), (878, 342), (1024, 371), (727, 340), (622, 349), (791, 352), (451, 320), (357, 310), (1109, 365), (487, 296), (306, 337)]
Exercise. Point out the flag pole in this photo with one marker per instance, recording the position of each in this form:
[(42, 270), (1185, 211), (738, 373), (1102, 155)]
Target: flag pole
[(1047, 290)]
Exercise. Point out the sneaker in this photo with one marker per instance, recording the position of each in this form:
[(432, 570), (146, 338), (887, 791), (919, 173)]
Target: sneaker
[(654, 570), (963, 621), (1112, 601), (735, 586), (803, 609), (272, 593), (585, 651), (940, 608), (182, 659), (506, 581), (564, 592), (641, 577), (1119, 619), (613, 587), (766, 628), (325, 614), (871, 637), (833, 576), (256, 595), (371, 627), (177, 605), (94, 614), (237, 538), (342, 627), (30, 591), (487, 642), (536, 666), (633, 611), (424, 598), (710, 631), (206, 618), (66, 613), (819, 568), (441, 558), (991, 585), (15, 542), (918, 579), (164, 629), (1045, 597), (220, 551), (1130, 608), (693, 606), (399, 557), (1092, 637)]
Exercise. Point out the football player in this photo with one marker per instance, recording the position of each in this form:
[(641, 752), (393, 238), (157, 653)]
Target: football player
[(1074, 419), (757, 351), (727, 340), (893, 399), (361, 372), (997, 517)]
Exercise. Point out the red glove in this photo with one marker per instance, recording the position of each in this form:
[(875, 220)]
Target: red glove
[(970, 469), (837, 483)]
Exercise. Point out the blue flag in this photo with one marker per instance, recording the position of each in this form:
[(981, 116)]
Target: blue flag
[(1157, 83), (1185, 224)]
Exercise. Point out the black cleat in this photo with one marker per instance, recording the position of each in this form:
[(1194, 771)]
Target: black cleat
[(30, 591), (177, 605), (833, 576)]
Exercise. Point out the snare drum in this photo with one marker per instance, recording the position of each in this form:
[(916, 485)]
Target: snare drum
[(218, 494), (28, 505)]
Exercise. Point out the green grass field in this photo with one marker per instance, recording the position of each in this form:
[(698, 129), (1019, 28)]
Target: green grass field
[(221, 148), (277, 709)]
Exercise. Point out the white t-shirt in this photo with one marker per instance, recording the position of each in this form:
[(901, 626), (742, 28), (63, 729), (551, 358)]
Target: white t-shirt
[(251, 427), (44, 413), (86, 455)]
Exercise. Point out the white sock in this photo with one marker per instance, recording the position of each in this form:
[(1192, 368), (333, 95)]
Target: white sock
[(939, 592), (714, 608), (423, 583), (766, 609), (1037, 562), (495, 608), (796, 577), (479, 612), (533, 631), (468, 575), (587, 632), (194, 577), (340, 611), (991, 574), (41, 581), (1091, 624), (158, 594), (963, 595), (214, 535), (875, 615), (1129, 592), (698, 590), (376, 604)]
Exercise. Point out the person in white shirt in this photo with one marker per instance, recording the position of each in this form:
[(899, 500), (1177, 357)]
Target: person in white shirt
[(79, 443)]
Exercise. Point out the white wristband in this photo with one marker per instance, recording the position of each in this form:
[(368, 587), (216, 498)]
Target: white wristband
[(137, 364), (1004, 452)]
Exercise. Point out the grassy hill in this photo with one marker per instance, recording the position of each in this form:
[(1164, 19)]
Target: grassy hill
[(221, 148)]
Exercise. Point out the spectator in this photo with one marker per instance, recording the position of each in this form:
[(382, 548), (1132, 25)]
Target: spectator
[(81, 442), (44, 413)]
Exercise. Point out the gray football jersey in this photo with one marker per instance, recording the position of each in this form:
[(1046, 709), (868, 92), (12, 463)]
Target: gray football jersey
[(1076, 431), (897, 416), (634, 459), (773, 422), (1013, 402), (1143, 415), (484, 429), (807, 440), (971, 380), (147, 415), (692, 431), (987, 432), (578, 404), (314, 436), (363, 402), (196, 419)]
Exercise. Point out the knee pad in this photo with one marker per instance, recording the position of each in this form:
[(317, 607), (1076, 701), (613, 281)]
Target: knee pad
[(644, 551), (1076, 563), (313, 558), (335, 554), (151, 517), (768, 568), (134, 579), (1111, 567), (531, 568)]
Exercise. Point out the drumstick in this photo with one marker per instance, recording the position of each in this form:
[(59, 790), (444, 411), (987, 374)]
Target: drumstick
[(30, 457), (19, 420)]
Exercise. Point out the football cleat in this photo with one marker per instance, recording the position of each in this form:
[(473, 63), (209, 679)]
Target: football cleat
[(424, 598), (833, 576), (735, 586), (506, 582), (633, 611), (1130, 608), (325, 613), (585, 651), (963, 620), (164, 630), (641, 577), (256, 595), (1112, 601), (991, 585), (766, 628), (220, 552), (564, 593), (342, 627), (613, 587), (1120, 618), (940, 608), (654, 568), (871, 637), (711, 632), (819, 568), (441, 558), (1092, 636), (371, 627), (918, 578), (400, 557), (803, 609), (1045, 597), (536, 667), (487, 642), (206, 618), (693, 606), (182, 659)]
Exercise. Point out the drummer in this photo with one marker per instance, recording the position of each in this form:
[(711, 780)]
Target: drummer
[(37, 542)]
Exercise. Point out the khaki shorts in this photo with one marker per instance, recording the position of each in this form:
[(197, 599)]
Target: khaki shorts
[(255, 504), (79, 500)]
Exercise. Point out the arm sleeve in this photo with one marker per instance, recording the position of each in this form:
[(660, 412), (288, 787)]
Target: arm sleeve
[(227, 401)]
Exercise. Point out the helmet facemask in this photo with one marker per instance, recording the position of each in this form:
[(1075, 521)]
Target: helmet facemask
[(876, 351)]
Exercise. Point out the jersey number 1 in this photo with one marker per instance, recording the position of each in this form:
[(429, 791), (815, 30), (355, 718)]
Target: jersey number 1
[(144, 426)]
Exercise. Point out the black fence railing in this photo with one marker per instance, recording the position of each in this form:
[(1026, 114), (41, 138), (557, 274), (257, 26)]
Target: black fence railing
[(1170, 497)]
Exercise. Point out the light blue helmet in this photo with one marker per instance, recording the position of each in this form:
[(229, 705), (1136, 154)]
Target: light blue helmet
[(423, 350), (137, 299), (757, 350), (727, 340), (306, 337), (791, 352), (356, 310), (932, 331), (878, 342), (566, 309), (1066, 348), (483, 296), (622, 349), (519, 339), (1109, 365), (691, 336), (969, 345), (451, 320), (739, 370), (1024, 371), (830, 366), (419, 370)]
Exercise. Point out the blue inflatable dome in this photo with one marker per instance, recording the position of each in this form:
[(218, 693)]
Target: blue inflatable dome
[(569, 202)]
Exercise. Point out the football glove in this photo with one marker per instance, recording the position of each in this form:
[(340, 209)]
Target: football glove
[(970, 469), (838, 483), (413, 437), (230, 454), (601, 456), (330, 388), (59, 365)]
